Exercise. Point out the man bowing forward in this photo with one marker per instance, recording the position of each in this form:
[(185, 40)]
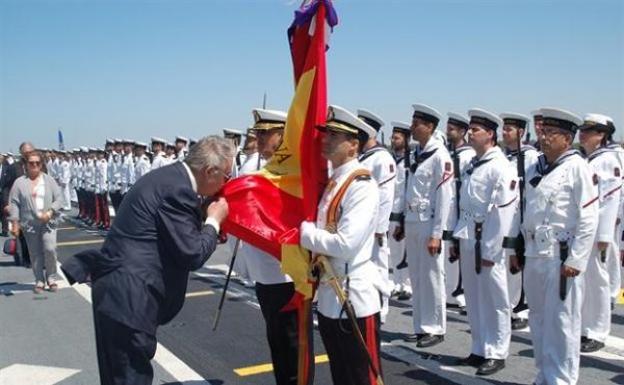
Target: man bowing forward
[(140, 274)]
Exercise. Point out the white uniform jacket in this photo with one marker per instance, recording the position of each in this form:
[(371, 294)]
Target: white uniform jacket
[(489, 195), (383, 168), (561, 205), (89, 175), (349, 248), (429, 188), (101, 176), (141, 167), (127, 173), (159, 160), (605, 166)]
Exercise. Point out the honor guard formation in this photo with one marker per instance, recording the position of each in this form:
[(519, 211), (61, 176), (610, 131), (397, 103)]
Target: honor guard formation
[(460, 210)]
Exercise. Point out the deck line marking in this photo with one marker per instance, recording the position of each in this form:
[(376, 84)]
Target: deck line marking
[(266, 368), (199, 293), (179, 370), (76, 243)]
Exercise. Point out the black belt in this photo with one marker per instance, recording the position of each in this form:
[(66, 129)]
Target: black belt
[(478, 231)]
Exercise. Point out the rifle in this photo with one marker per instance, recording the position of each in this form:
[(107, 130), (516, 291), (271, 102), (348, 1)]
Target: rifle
[(323, 264), (225, 287), (519, 247), (406, 163), (458, 183)]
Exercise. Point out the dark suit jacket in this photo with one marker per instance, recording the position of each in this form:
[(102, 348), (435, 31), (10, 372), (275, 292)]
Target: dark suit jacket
[(140, 274), (13, 171)]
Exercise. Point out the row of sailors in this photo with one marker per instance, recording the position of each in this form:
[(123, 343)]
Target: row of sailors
[(442, 205)]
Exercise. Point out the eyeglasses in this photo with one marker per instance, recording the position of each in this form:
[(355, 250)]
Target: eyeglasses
[(226, 175), (33, 163), (551, 131)]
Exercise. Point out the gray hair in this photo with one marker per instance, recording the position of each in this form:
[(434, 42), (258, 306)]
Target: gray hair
[(210, 151)]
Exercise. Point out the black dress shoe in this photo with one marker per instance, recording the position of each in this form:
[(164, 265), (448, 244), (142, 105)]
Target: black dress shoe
[(472, 360), (591, 346), (429, 340), (413, 337), (519, 323), (404, 296), (490, 366), (462, 310)]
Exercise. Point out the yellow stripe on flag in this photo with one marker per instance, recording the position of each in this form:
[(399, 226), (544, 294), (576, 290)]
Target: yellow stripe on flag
[(296, 263), (267, 368), (620, 298)]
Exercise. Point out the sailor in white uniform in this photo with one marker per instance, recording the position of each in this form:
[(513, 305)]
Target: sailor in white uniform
[(378, 160), (595, 136), (158, 147), (427, 207), (514, 128), (559, 229), (461, 155), (401, 134), (488, 203)]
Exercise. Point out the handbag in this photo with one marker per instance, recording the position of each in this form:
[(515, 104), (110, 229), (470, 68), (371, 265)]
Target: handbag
[(10, 246)]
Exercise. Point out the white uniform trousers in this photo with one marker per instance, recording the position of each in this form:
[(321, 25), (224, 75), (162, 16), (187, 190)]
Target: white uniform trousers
[(555, 324), (487, 304), (451, 273), (67, 197), (514, 284), (381, 258), (427, 277), (596, 309), (614, 265), (397, 250)]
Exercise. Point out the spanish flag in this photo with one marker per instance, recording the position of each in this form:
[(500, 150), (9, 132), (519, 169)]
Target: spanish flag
[(267, 208)]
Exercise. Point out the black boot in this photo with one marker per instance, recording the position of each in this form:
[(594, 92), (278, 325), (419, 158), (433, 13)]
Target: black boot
[(490, 366)]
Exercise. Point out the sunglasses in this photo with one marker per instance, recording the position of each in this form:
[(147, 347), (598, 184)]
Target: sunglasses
[(34, 163)]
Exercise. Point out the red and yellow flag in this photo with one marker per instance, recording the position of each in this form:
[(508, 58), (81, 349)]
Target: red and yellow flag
[(267, 208)]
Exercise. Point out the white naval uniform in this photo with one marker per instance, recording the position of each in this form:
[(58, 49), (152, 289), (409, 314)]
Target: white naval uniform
[(514, 281), (101, 176), (427, 208), (562, 206), (252, 262), (397, 248), (74, 180), (89, 175), (465, 154), (127, 173), (159, 160), (51, 169), (181, 155), (65, 183), (383, 169), (114, 176), (141, 167), (349, 249), (596, 311), (489, 196), (616, 270)]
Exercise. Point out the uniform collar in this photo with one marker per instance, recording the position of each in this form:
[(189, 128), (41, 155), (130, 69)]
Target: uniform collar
[(432, 144), (492, 152), (191, 176), (345, 169)]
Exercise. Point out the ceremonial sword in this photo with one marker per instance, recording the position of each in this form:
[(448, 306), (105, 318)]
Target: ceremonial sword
[(225, 287)]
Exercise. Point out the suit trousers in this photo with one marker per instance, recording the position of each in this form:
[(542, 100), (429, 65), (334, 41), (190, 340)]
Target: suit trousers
[(347, 358), (42, 249), (123, 353), (282, 332)]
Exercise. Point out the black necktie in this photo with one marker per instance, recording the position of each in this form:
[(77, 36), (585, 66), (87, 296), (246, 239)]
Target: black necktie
[(421, 158), (475, 162)]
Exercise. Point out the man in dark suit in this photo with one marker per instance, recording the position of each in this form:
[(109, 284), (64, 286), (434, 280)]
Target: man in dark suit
[(140, 274), (13, 172), (4, 167)]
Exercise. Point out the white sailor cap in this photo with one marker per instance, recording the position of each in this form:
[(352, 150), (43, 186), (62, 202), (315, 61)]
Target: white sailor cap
[(109, 141), (76, 150), (370, 118), (458, 120), (598, 122), (401, 126), (427, 113), (515, 119), (485, 118), (339, 119), (156, 139), (231, 132), (170, 145), (181, 139), (92, 149), (556, 117), (84, 149), (117, 140), (537, 114), (127, 141), (268, 119), (140, 144)]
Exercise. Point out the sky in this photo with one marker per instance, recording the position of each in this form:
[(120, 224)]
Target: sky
[(133, 69)]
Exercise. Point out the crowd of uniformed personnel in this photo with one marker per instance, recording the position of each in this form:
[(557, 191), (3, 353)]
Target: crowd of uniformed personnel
[(515, 234)]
